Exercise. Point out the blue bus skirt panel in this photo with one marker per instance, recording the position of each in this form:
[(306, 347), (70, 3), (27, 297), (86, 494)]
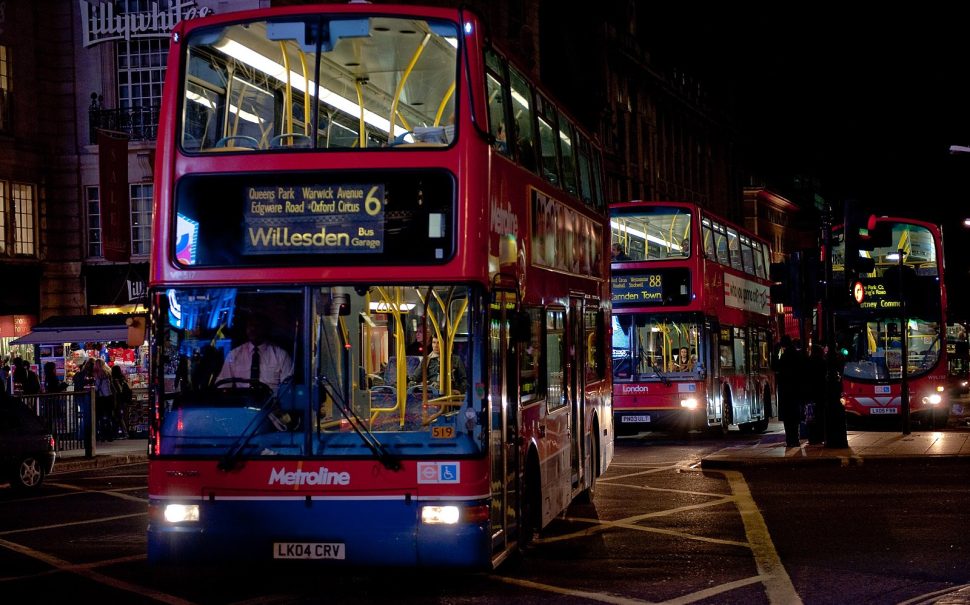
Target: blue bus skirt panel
[(345, 531)]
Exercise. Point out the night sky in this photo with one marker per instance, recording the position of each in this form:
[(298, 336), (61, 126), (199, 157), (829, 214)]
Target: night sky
[(869, 104)]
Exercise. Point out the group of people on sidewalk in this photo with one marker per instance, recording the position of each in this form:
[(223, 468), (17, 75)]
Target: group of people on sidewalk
[(112, 397), (801, 379)]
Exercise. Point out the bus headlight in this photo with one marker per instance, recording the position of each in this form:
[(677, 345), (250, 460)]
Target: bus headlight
[(436, 515), (181, 513), (690, 403), (934, 399)]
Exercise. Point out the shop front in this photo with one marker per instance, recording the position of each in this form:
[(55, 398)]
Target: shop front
[(68, 341)]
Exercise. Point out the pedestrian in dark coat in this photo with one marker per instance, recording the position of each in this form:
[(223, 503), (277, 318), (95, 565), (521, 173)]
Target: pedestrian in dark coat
[(816, 379), (789, 376)]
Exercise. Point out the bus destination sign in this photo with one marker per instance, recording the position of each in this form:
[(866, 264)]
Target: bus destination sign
[(310, 219), (638, 288)]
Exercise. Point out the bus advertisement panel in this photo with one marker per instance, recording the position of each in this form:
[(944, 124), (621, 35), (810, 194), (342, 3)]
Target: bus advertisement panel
[(902, 298), (692, 320), (379, 326)]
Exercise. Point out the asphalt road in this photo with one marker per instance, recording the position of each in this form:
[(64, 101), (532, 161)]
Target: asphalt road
[(660, 531)]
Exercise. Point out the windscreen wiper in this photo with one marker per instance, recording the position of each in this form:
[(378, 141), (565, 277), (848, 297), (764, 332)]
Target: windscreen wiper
[(231, 458), (663, 377), (390, 462)]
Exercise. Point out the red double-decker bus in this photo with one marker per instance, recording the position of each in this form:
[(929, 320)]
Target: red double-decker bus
[(692, 320), (871, 329), (379, 303)]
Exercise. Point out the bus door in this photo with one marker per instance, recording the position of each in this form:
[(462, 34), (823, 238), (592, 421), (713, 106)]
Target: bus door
[(504, 417), (575, 364)]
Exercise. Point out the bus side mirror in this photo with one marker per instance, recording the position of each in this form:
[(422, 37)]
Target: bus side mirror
[(136, 331)]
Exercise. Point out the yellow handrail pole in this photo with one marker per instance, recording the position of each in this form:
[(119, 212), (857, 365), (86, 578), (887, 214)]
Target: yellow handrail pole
[(403, 80), (452, 332), (404, 122), (306, 95), (287, 92), (360, 102), (444, 103)]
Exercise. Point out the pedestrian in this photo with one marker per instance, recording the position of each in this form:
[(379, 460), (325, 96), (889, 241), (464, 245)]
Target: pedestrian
[(25, 380), (53, 384), (816, 395), (122, 395), (104, 401), (789, 372)]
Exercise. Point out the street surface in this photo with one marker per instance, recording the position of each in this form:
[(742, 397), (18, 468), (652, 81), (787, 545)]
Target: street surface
[(660, 531)]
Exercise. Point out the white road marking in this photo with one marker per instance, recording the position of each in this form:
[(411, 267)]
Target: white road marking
[(87, 572)]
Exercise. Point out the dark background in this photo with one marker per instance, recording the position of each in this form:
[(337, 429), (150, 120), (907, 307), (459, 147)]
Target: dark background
[(866, 104)]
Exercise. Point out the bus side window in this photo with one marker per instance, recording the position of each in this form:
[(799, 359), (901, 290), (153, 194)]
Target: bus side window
[(720, 243), (555, 359), (532, 353), (497, 89), (522, 136), (709, 251), (565, 139), (547, 141)]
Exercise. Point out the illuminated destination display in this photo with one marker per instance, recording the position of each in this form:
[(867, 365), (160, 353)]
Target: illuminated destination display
[(640, 288), (310, 219)]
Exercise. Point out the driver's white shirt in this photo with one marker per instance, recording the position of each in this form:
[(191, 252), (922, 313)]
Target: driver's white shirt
[(275, 364)]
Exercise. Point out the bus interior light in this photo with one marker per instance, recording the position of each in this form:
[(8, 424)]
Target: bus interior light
[(438, 515), (181, 513)]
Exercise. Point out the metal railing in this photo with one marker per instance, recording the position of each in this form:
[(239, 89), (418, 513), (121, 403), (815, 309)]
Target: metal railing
[(66, 417), (140, 123)]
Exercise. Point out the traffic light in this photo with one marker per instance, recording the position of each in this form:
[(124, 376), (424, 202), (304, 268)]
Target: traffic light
[(858, 230), (782, 290)]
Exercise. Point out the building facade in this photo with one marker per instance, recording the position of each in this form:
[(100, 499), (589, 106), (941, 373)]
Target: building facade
[(101, 67)]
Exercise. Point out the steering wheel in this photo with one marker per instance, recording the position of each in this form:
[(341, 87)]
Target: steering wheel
[(248, 383)]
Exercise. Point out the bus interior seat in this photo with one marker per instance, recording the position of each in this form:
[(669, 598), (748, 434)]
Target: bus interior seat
[(291, 140), (390, 372), (236, 142)]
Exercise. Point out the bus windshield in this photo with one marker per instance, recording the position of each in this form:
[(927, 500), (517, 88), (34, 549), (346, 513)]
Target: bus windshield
[(652, 233), (875, 351), (649, 347), (306, 370), (354, 83)]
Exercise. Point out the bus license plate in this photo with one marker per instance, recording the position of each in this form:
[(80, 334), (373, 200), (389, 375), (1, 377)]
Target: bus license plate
[(640, 418), (883, 411), (308, 550)]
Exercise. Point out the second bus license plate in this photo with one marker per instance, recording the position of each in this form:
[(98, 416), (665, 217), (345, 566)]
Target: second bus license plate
[(883, 411), (640, 418), (309, 550)]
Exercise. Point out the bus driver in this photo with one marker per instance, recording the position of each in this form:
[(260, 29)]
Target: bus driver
[(257, 360)]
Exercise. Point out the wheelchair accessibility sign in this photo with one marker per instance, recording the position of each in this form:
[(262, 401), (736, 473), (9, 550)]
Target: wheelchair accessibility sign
[(438, 472)]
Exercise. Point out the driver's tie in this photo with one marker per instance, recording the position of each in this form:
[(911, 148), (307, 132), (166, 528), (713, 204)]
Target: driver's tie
[(254, 368)]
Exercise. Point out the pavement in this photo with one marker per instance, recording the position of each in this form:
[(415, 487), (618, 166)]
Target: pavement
[(863, 447), (106, 453)]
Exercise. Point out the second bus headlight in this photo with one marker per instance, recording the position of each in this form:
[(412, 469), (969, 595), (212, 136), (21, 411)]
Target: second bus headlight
[(181, 513), (690, 403)]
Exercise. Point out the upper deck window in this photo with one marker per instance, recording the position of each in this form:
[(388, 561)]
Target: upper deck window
[(323, 83), (657, 233)]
